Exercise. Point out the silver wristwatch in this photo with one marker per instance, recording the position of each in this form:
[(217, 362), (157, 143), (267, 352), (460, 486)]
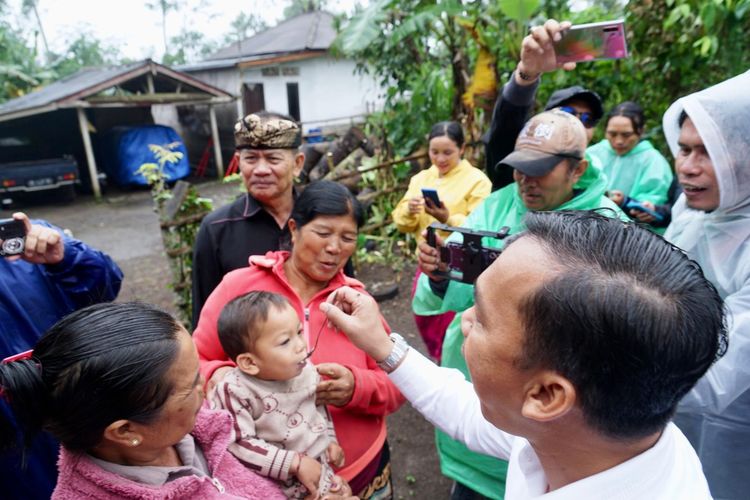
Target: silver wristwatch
[(400, 347)]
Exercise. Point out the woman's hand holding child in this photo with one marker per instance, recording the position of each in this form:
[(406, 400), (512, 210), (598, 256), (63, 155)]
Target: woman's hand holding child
[(337, 388)]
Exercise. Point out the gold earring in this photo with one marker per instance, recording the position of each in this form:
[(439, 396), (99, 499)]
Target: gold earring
[(135, 441)]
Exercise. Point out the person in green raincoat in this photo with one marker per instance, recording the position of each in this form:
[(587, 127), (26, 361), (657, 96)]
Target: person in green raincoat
[(550, 173), (635, 169)]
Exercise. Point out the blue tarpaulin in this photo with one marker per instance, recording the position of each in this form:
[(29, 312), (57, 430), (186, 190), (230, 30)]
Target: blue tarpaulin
[(122, 150)]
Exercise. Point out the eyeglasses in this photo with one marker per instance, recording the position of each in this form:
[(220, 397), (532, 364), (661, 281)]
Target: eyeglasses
[(586, 118)]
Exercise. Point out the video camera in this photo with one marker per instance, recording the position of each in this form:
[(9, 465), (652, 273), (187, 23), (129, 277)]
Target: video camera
[(466, 260)]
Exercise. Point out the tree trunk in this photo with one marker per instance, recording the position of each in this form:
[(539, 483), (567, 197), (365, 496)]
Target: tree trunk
[(347, 169), (339, 150)]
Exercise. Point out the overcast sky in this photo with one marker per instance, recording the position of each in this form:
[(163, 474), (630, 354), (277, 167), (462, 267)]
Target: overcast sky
[(136, 31)]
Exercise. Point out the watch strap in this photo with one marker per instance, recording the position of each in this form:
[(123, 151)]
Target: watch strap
[(400, 348)]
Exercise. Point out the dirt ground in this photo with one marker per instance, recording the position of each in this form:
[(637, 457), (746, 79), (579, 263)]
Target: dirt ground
[(125, 226)]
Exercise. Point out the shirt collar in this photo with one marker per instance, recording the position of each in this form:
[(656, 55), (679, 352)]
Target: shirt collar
[(252, 206), (190, 455)]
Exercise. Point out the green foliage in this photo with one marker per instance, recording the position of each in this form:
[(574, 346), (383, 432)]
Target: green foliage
[(84, 51), (518, 10), (164, 7), (179, 232), (297, 7), (19, 71), (243, 26), (379, 240), (419, 54), (676, 46), (188, 46)]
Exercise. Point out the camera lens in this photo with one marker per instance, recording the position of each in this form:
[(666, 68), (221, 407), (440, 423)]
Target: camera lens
[(13, 246)]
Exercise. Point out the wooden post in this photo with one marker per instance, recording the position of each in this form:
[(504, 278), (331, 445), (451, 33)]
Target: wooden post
[(150, 83), (83, 124), (240, 107), (217, 144)]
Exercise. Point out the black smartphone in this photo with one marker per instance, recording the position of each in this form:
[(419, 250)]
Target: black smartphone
[(13, 236), (432, 195)]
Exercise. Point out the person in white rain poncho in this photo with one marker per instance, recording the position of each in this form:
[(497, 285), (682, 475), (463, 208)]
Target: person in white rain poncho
[(709, 134)]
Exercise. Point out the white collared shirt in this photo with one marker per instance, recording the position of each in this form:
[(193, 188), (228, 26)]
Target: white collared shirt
[(669, 469)]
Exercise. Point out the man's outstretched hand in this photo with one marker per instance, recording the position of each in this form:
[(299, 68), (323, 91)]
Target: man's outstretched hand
[(358, 316)]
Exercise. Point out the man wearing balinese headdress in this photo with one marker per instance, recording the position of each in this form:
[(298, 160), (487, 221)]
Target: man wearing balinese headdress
[(709, 135), (267, 145)]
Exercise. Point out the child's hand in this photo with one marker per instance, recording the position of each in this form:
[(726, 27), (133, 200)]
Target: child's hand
[(335, 454), (308, 473)]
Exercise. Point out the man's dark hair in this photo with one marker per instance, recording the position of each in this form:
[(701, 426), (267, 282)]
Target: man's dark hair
[(100, 364), (239, 320), (630, 320), (681, 119), (322, 198)]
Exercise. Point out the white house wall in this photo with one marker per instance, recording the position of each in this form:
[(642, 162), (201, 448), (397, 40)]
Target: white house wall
[(330, 93)]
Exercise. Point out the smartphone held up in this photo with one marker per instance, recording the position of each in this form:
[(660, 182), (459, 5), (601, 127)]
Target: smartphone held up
[(592, 42)]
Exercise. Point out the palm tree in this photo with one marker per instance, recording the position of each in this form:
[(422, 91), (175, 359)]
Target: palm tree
[(164, 6), (30, 6)]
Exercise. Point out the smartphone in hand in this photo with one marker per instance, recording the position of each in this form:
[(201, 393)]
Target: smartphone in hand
[(432, 195), (592, 42), (637, 205)]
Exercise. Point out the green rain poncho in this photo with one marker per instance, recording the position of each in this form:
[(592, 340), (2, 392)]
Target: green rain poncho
[(642, 173), (502, 208)]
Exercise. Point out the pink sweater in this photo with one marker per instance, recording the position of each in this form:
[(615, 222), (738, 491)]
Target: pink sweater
[(80, 478)]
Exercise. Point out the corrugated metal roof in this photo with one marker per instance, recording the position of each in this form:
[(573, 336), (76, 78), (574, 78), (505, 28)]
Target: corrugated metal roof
[(311, 31), (66, 87), (90, 81)]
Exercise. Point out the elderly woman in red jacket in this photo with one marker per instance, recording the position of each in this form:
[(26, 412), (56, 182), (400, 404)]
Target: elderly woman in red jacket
[(323, 227)]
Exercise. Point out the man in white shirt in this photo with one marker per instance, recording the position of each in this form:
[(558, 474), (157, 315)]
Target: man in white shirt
[(586, 333)]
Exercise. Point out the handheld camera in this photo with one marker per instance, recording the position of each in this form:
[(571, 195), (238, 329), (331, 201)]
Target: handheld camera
[(466, 260), (13, 236)]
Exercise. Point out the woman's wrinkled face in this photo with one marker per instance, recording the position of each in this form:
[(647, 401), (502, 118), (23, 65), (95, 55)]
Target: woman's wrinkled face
[(322, 247), (444, 153), (177, 417), (621, 134)]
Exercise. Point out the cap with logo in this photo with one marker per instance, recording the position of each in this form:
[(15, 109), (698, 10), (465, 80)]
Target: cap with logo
[(546, 140)]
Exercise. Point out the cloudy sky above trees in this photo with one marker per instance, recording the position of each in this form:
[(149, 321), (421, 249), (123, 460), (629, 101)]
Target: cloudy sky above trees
[(136, 30)]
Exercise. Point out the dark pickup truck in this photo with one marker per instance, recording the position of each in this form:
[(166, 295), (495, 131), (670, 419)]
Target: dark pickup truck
[(26, 177)]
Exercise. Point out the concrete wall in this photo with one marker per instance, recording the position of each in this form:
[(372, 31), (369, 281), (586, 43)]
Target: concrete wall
[(329, 91), (331, 97)]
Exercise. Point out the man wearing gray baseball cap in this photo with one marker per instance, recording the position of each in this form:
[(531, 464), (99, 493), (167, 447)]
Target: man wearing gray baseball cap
[(550, 173), (516, 99)]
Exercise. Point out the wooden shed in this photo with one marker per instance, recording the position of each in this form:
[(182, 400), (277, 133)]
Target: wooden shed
[(60, 118)]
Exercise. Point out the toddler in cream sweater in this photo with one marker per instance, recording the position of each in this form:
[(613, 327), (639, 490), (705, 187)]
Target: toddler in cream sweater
[(279, 431)]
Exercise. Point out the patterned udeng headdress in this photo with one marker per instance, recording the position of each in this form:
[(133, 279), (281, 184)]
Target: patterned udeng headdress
[(260, 131)]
